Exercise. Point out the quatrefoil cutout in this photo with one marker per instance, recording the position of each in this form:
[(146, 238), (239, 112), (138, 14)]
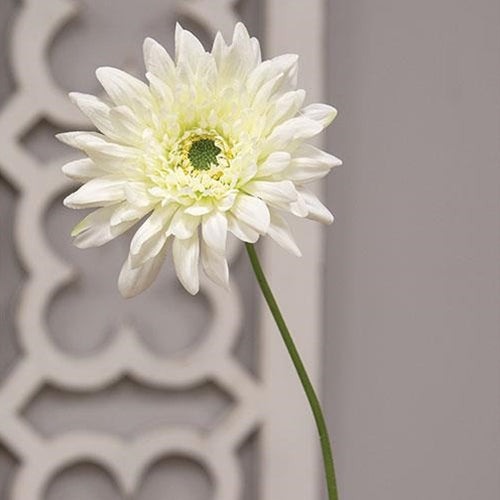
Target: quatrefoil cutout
[(85, 314), (174, 478)]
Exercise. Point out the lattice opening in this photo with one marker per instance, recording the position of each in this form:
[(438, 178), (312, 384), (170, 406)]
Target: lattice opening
[(176, 478), (12, 277), (40, 141), (118, 39), (82, 481), (127, 408), (172, 478), (247, 343), (8, 465), (248, 456)]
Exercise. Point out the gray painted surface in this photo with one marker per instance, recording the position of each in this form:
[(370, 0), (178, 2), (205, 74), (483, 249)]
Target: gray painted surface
[(413, 279)]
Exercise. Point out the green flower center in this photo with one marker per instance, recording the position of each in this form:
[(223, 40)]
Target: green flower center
[(203, 154)]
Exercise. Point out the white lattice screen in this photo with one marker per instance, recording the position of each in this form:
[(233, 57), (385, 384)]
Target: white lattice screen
[(208, 375)]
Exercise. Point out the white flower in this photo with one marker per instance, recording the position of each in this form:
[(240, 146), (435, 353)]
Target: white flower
[(215, 142)]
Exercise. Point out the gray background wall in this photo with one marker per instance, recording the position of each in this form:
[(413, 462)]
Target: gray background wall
[(412, 320), (412, 347)]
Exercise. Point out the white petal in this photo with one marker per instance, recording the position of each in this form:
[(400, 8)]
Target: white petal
[(199, 208), (149, 250), (215, 265), (156, 223), (298, 208), (276, 162), (256, 50), (298, 128), (285, 107), (158, 61), (239, 59), (160, 90), (126, 212), (304, 170), (263, 95), (317, 211), (321, 113), (188, 48), (214, 231), (82, 170), (183, 225), (97, 192), (124, 89), (96, 110), (219, 48), (125, 125), (93, 142), (285, 65), (186, 254), (133, 281), (251, 211), (96, 230), (273, 192), (137, 193), (309, 164), (241, 230), (280, 232), (227, 202), (309, 151)]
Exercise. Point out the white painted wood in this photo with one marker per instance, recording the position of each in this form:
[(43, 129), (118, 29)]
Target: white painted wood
[(290, 465)]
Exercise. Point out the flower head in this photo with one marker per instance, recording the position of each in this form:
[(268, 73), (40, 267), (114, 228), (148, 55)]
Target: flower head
[(213, 143)]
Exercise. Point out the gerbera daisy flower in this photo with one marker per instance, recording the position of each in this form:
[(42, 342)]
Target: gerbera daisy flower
[(215, 142)]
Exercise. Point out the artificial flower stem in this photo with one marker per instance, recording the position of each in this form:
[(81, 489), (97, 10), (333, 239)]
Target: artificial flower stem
[(301, 372)]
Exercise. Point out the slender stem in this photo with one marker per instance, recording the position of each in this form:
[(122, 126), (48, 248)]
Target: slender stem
[(301, 372)]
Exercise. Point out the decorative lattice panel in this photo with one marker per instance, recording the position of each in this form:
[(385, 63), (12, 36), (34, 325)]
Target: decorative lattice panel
[(81, 347)]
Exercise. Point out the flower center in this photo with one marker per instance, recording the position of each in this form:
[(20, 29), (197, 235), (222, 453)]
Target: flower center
[(203, 154)]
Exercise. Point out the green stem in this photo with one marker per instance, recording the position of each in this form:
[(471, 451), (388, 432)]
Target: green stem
[(301, 372)]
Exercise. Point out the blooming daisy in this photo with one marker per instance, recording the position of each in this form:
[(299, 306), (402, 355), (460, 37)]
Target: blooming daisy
[(215, 142)]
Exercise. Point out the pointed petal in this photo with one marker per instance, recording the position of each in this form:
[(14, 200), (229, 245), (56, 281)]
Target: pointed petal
[(124, 89), (125, 125), (285, 65), (285, 107), (312, 152), (276, 162), (298, 128), (241, 230), (96, 110), (273, 191), (215, 265), (156, 223), (96, 230), (94, 143), (82, 170), (321, 113), (317, 211), (98, 192), (214, 231), (186, 255), (149, 249), (158, 61), (219, 48), (202, 207), (133, 281), (251, 211), (183, 225), (279, 231), (188, 48), (239, 59)]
